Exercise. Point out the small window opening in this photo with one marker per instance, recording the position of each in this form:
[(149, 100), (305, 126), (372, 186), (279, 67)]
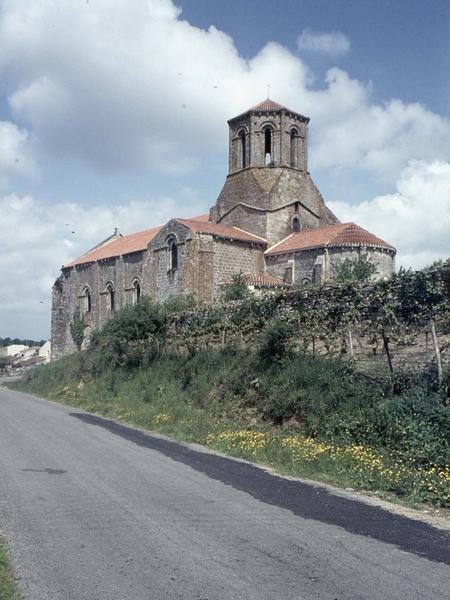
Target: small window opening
[(173, 255), (111, 297), (243, 149), (268, 146), (87, 301), (296, 224), (137, 292), (294, 142)]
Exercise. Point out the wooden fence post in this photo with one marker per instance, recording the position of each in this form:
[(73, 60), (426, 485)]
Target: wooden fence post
[(436, 350)]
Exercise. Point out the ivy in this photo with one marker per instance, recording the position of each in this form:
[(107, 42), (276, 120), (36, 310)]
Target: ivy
[(77, 326), (397, 309)]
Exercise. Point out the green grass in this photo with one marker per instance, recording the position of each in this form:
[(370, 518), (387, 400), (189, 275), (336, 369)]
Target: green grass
[(302, 416), (8, 585)]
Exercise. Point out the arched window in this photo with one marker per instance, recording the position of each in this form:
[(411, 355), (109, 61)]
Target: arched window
[(172, 256), (268, 158), (296, 223), (87, 300), (294, 145), (242, 149), (111, 297), (136, 291)]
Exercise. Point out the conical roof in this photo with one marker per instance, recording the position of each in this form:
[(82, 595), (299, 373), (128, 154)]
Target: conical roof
[(269, 105), (332, 236)]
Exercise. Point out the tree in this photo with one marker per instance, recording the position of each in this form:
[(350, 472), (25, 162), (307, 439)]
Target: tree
[(355, 270), (77, 327), (237, 290), (351, 272), (3, 362)]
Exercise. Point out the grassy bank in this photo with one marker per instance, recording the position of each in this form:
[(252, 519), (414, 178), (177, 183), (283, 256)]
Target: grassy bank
[(8, 586), (306, 416)]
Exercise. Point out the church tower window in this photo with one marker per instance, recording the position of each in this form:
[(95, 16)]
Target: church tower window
[(268, 158), (243, 149), (296, 223), (294, 148)]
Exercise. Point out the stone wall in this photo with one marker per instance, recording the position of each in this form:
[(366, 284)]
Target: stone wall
[(231, 258), (318, 265), (253, 124), (270, 189), (384, 260), (249, 218), (300, 264), (68, 293)]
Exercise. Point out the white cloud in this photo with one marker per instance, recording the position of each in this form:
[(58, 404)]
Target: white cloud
[(37, 238), (378, 139), (140, 87), (15, 155), (415, 219), (334, 43)]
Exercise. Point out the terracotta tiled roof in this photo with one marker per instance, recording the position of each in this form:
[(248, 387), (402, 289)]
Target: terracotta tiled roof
[(118, 247), (261, 280), (222, 231), (203, 218), (341, 234), (268, 105)]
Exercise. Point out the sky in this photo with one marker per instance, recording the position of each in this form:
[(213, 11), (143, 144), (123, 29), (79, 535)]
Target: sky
[(113, 113)]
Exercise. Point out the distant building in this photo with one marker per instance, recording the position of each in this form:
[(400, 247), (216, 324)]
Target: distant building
[(269, 223), (44, 351), (28, 352), (13, 349)]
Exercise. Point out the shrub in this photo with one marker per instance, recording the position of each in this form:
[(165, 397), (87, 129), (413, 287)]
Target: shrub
[(77, 326), (237, 290), (276, 342), (133, 337)]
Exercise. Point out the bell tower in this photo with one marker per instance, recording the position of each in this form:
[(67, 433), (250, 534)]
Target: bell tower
[(268, 190), (268, 135)]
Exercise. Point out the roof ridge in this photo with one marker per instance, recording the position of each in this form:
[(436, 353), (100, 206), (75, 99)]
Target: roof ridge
[(280, 242), (245, 231)]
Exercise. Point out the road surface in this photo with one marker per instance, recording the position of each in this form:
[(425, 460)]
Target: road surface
[(95, 510)]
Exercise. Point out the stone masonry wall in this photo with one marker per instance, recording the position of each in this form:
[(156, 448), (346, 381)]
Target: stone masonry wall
[(231, 258), (248, 218), (301, 263), (384, 260), (166, 282), (68, 293), (271, 188), (318, 265), (253, 125)]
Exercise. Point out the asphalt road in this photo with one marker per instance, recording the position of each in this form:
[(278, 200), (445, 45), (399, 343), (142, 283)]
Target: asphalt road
[(99, 511)]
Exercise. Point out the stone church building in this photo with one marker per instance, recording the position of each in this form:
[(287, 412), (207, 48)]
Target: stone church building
[(269, 223)]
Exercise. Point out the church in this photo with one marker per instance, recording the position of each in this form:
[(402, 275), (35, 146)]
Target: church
[(269, 223)]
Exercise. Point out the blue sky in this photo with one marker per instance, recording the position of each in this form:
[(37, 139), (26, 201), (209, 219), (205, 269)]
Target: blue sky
[(115, 114), (402, 46)]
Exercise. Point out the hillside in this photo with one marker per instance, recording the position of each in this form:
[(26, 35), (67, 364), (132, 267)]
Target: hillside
[(262, 379)]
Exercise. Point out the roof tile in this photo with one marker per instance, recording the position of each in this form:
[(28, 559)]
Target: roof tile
[(339, 235), (222, 231), (262, 280), (118, 247), (268, 105)]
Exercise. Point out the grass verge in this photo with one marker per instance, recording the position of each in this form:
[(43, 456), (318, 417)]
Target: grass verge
[(8, 585), (222, 400)]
